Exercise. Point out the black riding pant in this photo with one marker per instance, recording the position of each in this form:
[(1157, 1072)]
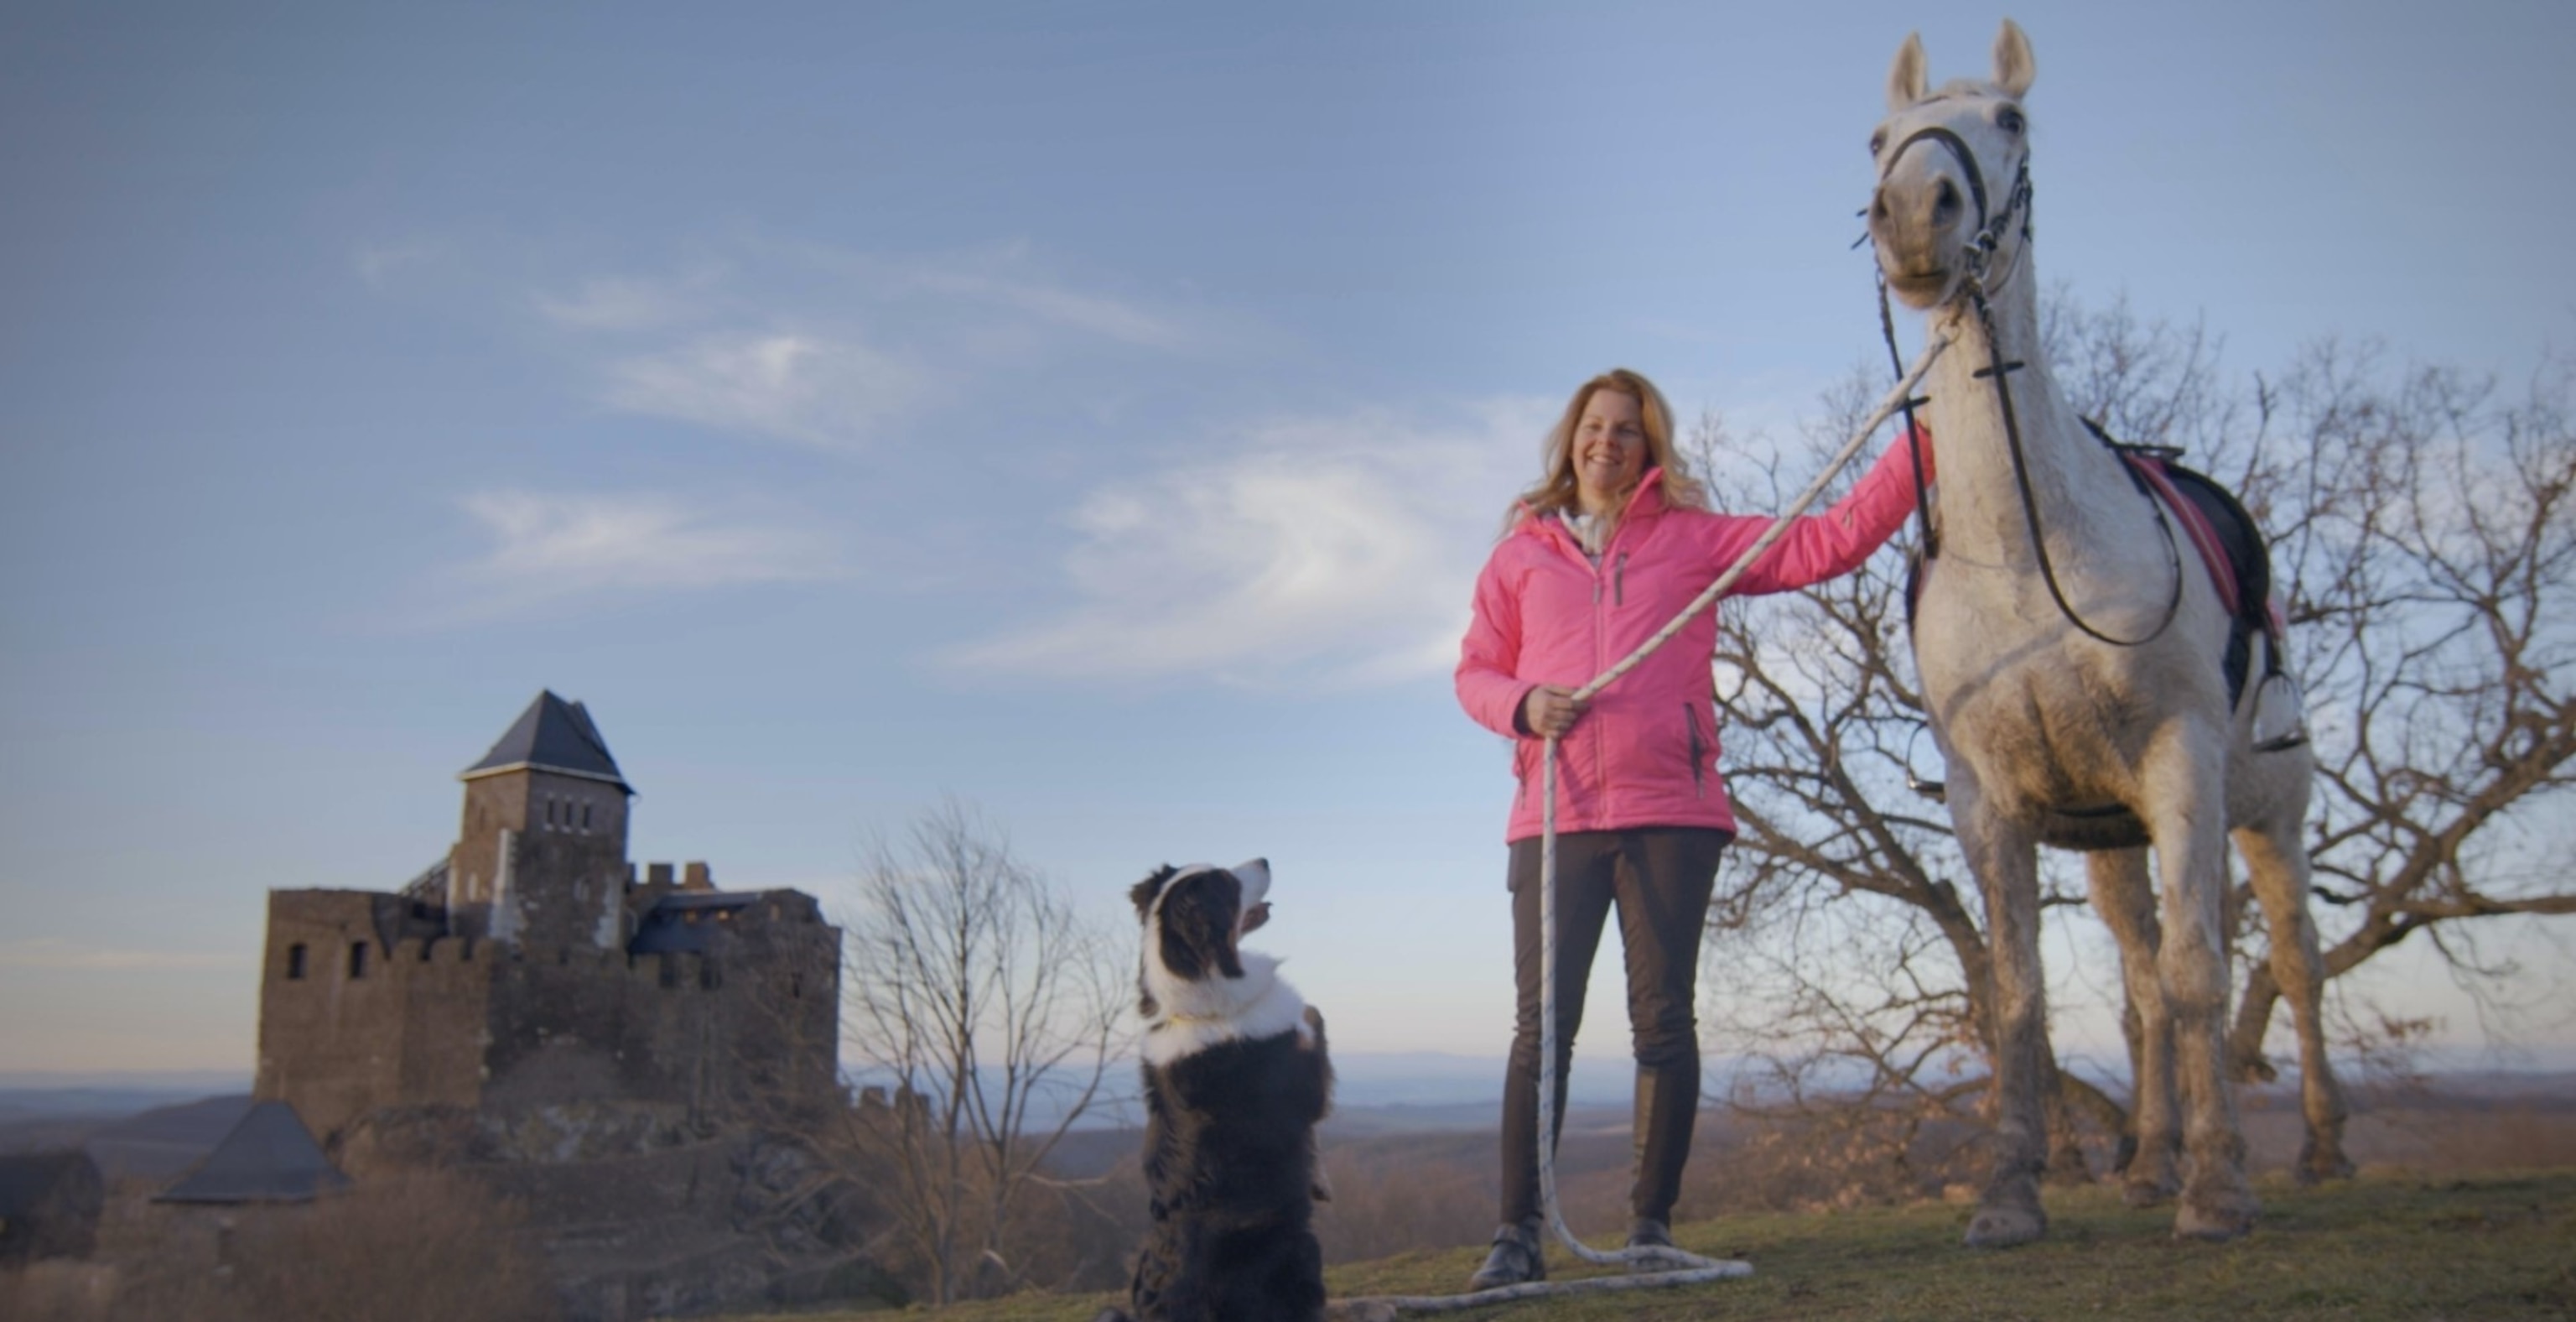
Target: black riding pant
[(1659, 879)]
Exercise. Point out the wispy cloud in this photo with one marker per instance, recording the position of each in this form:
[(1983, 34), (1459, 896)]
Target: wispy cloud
[(793, 342), (545, 548), (379, 263), (623, 304), (828, 393), (1094, 314), (48, 952), (1335, 552)]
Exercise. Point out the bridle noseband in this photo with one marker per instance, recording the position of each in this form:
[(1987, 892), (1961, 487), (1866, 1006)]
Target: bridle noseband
[(1977, 259), (1980, 252)]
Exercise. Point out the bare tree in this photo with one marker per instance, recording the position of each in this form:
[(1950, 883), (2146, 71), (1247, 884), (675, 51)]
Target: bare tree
[(2424, 540), (981, 1015), (2428, 534)]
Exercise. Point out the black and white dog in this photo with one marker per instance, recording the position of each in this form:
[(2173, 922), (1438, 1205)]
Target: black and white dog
[(1235, 1079)]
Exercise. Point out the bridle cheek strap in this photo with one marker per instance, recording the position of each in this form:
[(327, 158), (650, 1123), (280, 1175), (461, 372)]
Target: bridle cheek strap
[(1990, 229)]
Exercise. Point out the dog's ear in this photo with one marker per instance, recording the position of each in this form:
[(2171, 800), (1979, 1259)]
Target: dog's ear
[(1198, 926), (1143, 893)]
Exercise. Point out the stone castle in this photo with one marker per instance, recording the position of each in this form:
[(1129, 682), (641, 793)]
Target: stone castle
[(532, 977)]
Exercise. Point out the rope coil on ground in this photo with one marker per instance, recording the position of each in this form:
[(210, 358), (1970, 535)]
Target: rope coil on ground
[(1656, 1266)]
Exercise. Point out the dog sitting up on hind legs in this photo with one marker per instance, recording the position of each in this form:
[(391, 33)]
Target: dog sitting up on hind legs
[(1236, 1076)]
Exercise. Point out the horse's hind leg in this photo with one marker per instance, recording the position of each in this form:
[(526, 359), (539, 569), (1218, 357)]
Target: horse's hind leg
[(2005, 860), (2125, 897), (2185, 816), (2276, 860)]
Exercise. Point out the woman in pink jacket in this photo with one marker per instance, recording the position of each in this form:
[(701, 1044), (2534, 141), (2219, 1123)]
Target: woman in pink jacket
[(1600, 555)]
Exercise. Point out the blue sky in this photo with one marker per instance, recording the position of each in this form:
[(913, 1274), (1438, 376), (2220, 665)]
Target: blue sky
[(1096, 413)]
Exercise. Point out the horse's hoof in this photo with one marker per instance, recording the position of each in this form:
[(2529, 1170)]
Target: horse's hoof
[(2317, 1168), (2147, 1193), (2003, 1227), (2215, 1219)]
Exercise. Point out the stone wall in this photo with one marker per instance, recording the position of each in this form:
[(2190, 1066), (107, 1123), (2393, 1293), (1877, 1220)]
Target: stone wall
[(362, 1005), (740, 1025)]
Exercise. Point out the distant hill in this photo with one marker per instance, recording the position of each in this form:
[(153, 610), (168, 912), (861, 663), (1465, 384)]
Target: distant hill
[(139, 1132)]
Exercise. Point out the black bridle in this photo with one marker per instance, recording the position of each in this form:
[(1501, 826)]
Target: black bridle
[(1977, 258)]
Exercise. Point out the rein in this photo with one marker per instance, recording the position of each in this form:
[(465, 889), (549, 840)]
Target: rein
[(1976, 258)]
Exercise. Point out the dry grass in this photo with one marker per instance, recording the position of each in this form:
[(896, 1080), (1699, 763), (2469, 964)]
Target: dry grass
[(424, 1248), (2385, 1246)]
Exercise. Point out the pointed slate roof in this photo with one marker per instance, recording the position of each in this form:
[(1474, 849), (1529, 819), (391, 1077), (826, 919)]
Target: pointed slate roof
[(552, 735), (270, 1157)]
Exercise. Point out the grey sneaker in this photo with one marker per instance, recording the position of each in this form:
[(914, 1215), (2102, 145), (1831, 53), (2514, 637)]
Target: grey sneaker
[(1649, 1233), (1515, 1259)]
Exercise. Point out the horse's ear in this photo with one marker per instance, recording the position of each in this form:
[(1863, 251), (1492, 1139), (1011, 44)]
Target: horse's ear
[(1907, 82), (2014, 68)]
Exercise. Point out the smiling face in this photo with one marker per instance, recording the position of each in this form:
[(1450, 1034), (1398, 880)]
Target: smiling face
[(1928, 208), (1609, 449)]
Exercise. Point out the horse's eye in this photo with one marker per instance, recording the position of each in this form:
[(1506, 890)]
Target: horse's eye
[(1878, 142), (2009, 120)]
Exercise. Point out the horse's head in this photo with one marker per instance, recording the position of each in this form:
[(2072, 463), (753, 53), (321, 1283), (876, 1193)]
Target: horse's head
[(1953, 169)]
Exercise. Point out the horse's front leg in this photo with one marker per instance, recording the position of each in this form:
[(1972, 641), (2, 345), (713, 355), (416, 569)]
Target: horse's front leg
[(2125, 897), (2004, 856), (2185, 814)]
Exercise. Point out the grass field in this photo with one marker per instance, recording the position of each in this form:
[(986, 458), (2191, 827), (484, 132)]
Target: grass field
[(2385, 1246)]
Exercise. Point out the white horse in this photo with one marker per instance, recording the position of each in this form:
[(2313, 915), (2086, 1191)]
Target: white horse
[(2069, 646)]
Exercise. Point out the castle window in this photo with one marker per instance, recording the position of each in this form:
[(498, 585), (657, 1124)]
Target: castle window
[(796, 987), (295, 961), (357, 959), (585, 816), (550, 812), (710, 977)]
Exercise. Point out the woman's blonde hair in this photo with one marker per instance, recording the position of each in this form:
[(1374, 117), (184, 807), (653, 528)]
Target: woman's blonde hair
[(1557, 491)]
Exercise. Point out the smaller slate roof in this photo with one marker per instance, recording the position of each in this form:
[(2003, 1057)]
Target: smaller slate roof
[(29, 1180), (552, 735), (270, 1157), (666, 927)]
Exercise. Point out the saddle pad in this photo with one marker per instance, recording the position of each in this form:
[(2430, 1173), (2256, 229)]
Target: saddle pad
[(2201, 512)]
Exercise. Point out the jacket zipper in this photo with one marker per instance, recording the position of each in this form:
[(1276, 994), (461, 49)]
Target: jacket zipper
[(1619, 582), (1601, 652), (1699, 773)]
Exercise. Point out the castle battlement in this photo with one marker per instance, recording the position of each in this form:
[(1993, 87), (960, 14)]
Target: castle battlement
[(532, 967)]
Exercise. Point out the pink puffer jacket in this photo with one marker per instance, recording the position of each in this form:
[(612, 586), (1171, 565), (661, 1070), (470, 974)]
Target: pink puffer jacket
[(1644, 752)]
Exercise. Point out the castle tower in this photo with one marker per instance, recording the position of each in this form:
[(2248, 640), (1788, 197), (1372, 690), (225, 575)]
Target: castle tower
[(540, 856)]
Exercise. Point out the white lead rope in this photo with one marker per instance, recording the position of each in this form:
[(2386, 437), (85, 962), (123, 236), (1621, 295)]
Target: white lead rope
[(1693, 1269)]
